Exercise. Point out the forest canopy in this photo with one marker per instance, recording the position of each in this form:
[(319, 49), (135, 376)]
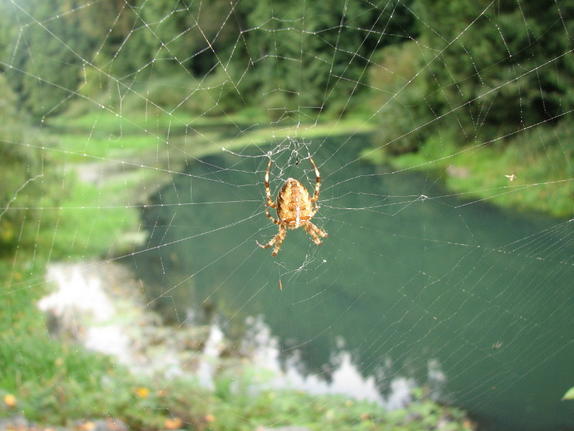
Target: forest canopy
[(311, 57)]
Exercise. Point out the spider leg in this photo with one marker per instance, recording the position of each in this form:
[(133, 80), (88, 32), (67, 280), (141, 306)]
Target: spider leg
[(319, 231), (270, 217), (315, 197), (269, 201), (276, 241), (315, 232)]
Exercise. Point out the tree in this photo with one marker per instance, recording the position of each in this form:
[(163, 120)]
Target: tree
[(48, 50), (502, 66), (311, 56)]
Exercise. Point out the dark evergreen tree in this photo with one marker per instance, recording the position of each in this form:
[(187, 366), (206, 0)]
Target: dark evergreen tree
[(47, 52), (502, 66), (305, 57)]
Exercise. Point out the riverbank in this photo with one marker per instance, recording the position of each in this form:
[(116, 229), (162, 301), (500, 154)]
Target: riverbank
[(532, 171), (58, 383)]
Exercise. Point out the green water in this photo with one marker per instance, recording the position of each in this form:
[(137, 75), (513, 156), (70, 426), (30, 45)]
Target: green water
[(410, 279)]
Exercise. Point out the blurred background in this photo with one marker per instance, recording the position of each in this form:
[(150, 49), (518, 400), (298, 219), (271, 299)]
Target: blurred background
[(134, 139)]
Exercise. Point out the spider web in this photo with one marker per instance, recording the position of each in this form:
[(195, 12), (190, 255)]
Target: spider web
[(415, 285)]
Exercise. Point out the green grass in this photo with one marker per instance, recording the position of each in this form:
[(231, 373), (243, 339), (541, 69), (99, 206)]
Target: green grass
[(91, 219), (104, 122), (56, 384), (533, 171), (75, 220), (138, 122), (75, 385), (270, 134), (78, 147), (39, 371), (79, 142)]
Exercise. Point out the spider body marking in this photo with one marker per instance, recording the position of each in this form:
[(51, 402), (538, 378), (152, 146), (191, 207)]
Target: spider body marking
[(295, 209)]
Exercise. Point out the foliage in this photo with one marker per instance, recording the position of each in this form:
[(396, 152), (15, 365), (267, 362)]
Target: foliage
[(569, 395), (399, 105), (533, 171), (492, 76), (57, 385), (487, 70), (500, 66), (298, 59), (22, 168), (322, 61), (46, 53)]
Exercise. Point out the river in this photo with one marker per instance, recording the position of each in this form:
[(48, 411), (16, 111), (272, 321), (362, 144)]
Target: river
[(413, 287)]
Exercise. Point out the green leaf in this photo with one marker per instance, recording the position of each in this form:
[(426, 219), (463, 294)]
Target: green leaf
[(569, 395)]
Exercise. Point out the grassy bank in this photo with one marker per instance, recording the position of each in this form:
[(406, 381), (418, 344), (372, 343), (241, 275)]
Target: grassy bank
[(140, 140), (56, 383), (182, 404), (531, 171)]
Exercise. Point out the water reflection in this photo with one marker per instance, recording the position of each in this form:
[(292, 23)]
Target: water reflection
[(412, 286), (339, 376)]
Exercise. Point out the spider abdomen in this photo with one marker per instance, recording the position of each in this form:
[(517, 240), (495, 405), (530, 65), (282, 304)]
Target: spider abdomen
[(294, 205)]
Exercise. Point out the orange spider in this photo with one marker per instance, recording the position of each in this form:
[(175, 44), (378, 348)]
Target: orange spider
[(294, 208)]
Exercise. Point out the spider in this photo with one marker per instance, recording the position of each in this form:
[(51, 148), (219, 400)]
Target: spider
[(295, 208)]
